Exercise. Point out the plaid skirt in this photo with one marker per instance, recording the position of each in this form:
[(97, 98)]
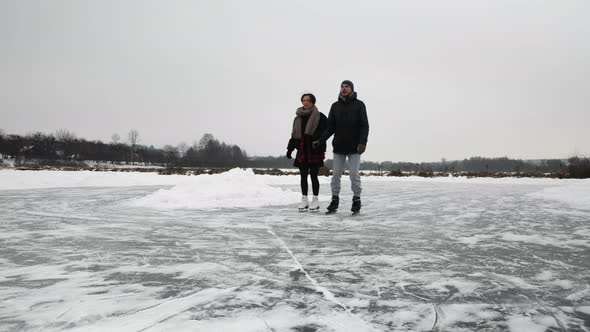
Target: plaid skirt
[(307, 156)]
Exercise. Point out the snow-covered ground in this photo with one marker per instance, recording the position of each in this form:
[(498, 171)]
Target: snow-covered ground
[(92, 251)]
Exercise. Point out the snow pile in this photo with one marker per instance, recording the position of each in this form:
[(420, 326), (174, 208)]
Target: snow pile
[(6, 162), (576, 194), (235, 188)]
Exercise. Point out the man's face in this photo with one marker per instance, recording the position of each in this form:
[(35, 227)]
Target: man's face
[(345, 90)]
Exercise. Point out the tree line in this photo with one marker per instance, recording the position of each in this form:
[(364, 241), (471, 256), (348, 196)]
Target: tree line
[(574, 167), (64, 147), (473, 164)]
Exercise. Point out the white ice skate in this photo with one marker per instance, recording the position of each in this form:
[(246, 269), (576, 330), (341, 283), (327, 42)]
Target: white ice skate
[(304, 205), (315, 204)]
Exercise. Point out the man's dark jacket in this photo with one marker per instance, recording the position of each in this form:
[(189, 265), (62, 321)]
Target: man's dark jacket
[(348, 122)]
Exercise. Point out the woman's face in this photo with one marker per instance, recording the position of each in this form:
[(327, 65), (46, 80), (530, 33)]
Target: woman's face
[(306, 101)]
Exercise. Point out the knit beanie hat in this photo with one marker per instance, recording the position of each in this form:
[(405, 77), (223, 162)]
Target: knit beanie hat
[(349, 83)]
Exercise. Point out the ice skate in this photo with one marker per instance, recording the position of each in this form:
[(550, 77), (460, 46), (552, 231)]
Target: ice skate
[(314, 206), (304, 205), (333, 207), (356, 205)]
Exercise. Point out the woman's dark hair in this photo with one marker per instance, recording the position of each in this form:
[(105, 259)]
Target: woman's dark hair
[(311, 97)]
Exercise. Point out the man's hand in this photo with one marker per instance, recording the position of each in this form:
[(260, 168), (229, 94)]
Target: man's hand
[(289, 154), (361, 148)]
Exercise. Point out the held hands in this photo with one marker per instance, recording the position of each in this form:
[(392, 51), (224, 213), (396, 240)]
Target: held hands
[(315, 144), (361, 148)]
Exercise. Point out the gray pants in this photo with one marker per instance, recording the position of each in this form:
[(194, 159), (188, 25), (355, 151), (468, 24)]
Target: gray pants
[(354, 163)]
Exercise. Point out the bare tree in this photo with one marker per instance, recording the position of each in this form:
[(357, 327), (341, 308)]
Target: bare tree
[(65, 139), (171, 153), (116, 138), (205, 141), (182, 148), (64, 135), (133, 137)]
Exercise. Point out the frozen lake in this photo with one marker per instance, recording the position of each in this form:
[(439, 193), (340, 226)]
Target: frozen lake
[(165, 255)]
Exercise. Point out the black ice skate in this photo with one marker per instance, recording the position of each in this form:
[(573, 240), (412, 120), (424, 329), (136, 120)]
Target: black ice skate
[(333, 207), (356, 205)]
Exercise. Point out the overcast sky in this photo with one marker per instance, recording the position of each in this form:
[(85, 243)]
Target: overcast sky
[(441, 79)]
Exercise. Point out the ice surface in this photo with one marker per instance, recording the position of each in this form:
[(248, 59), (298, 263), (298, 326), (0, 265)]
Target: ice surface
[(15, 179), (78, 252), (576, 194)]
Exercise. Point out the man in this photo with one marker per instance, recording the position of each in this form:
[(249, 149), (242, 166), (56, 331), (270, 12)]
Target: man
[(348, 122)]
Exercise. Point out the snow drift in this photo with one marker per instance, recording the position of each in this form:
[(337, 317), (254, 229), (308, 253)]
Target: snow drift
[(236, 188)]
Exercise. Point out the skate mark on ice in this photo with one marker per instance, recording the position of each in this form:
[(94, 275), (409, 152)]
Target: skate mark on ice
[(147, 318), (266, 323), (63, 313), (438, 312), (324, 291), (585, 293), (550, 311), (436, 309), (60, 215), (327, 294)]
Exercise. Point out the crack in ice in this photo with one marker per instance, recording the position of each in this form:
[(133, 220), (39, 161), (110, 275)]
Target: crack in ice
[(324, 291)]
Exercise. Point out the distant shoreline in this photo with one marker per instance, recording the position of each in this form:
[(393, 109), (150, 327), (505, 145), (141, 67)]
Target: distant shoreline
[(191, 171)]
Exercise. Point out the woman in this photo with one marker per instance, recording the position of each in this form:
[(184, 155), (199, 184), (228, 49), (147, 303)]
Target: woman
[(308, 126)]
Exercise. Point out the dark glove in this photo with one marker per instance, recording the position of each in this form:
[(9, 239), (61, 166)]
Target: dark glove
[(316, 144), (289, 154), (361, 148), (293, 144)]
